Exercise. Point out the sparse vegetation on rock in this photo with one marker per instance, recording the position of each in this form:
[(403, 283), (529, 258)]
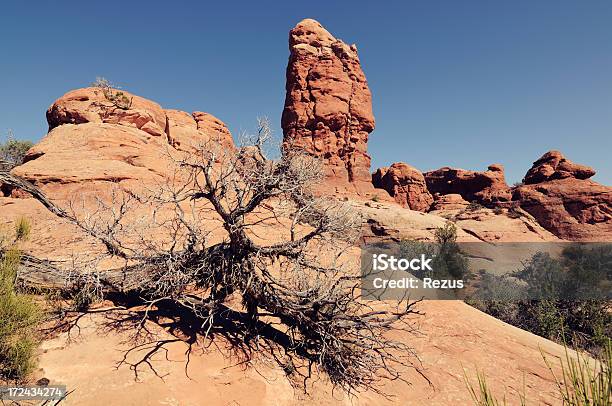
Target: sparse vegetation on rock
[(19, 314), (12, 151)]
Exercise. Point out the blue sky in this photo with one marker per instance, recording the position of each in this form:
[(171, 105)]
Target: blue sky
[(455, 83)]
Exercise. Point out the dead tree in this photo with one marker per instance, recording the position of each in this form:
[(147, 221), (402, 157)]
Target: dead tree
[(297, 285)]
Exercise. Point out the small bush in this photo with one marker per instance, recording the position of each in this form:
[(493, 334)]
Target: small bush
[(13, 151), (448, 260), (498, 210), (19, 314), (473, 206), (117, 97)]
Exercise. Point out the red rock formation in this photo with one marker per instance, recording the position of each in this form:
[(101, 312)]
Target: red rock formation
[(92, 143), (328, 105), (553, 165), (406, 184), (188, 130), (487, 188), (451, 201), (90, 105), (558, 194)]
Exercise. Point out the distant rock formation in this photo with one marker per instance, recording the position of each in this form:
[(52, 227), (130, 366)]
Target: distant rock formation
[(553, 165), (559, 195), (405, 184), (488, 188), (451, 201), (328, 105)]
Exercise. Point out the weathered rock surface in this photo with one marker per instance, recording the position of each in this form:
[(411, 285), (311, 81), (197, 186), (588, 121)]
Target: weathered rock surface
[(488, 188), (328, 105), (90, 105), (451, 201), (560, 196), (186, 131), (92, 143), (406, 184), (553, 165)]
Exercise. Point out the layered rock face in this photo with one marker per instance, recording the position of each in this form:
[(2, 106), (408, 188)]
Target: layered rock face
[(405, 184), (558, 193), (488, 188), (328, 105)]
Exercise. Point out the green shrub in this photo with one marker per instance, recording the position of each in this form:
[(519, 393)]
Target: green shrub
[(565, 299), (13, 151), (19, 314), (448, 260)]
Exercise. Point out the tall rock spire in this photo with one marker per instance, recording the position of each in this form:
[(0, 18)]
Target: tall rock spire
[(328, 105)]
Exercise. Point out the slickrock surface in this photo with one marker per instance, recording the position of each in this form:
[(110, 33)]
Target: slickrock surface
[(558, 193), (328, 105), (454, 337), (487, 188), (406, 184)]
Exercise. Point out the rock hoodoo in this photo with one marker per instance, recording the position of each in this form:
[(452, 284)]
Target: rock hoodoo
[(405, 184), (487, 188), (328, 105), (558, 193)]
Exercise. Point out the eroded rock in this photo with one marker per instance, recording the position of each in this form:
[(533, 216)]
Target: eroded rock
[(328, 105)]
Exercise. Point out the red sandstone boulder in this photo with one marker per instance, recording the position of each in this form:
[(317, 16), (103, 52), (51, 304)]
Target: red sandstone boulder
[(91, 105), (328, 105), (406, 184), (559, 196), (487, 188), (553, 165), (92, 145)]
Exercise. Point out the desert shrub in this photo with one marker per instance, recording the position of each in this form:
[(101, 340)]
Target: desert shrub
[(117, 97), (448, 260), (498, 210), (19, 314), (473, 206), (294, 293), (565, 299), (13, 151)]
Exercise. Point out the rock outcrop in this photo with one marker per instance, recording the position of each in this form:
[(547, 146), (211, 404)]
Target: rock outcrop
[(93, 143), (451, 201), (553, 165), (90, 105), (488, 188), (405, 184), (328, 105), (560, 196)]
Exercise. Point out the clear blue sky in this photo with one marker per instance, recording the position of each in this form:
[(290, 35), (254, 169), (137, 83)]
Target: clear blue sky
[(455, 83)]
